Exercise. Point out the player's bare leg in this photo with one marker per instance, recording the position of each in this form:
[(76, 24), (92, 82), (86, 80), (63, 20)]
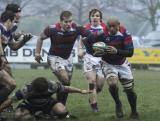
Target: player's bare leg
[(7, 68), (23, 115), (9, 82), (100, 83), (92, 78), (63, 77), (59, 110), (113, 89)]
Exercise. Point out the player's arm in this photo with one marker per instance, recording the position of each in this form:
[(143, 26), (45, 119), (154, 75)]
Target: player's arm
[(128, 52), (10, 100), (20, 41), (128, 49), (81, 51), (2, 55), (128, 46), (61, 88), (75, 90), (39, 44), (1, 48)]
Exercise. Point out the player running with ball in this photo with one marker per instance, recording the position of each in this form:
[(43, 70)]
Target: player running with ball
[(116, 67)]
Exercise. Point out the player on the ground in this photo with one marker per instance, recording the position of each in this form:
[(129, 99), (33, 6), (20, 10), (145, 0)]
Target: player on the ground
[(63, 36), (92, 65), (38, 96)]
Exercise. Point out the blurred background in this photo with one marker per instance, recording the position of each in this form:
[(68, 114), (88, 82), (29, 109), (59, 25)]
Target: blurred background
[(140, 17)]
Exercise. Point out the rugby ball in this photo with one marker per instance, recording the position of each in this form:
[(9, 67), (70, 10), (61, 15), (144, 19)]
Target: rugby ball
[(99, 46)]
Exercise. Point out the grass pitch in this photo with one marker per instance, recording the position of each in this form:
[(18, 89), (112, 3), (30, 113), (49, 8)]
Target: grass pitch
[(147, 86)]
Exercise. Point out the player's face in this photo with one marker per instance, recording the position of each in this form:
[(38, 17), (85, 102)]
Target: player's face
[(113, 27), (95, 19), (18, 16), (10, 24), (66, 23)]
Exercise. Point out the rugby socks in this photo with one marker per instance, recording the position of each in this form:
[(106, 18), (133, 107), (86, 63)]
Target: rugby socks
[(4, 93), (65, 96), (91, 86), (94, 107), (114, 92), (62, 97), (63, 115), (132, 99), (1, 86)]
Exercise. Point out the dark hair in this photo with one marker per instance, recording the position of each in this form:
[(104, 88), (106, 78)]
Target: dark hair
[(40, 84), (93, 11), (7, 15), (13, 7), (65, 14)]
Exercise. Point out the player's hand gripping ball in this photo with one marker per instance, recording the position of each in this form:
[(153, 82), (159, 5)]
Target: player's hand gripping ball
[(99, 48)]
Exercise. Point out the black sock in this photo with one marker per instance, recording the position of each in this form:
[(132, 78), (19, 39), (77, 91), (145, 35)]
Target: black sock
[(114, 92), (94, 105), (1, 86), (91, 86), (4, 93), (62, 115), (132, 99), (62, 97)]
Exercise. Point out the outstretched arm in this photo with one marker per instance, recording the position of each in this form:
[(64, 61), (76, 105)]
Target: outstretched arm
[(75, 90), (39, 44), (18, 95), (7, 103)]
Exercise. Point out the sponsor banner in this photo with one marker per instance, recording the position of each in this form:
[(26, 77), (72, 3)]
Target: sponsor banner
[(145, 56), (26, 55), (27, 52)]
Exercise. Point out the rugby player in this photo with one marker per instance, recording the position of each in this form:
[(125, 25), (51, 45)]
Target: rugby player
[(63, 36), (7, 81), (116, 66), (15, 8), (38, 96), (92, 65)]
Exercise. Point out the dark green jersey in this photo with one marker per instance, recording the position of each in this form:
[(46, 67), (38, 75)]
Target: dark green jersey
[(38, 99)]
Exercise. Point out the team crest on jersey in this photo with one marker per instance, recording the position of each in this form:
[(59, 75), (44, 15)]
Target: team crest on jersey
[(107, 39), (52, 26), (128, 33), (60, 33)]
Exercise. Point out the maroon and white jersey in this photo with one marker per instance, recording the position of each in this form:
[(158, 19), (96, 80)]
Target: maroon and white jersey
[(102, 28), (62, 41)]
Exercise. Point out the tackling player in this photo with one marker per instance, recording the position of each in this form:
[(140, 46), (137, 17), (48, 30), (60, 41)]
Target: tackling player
[(6, 79), (37, 96), (15, 8)]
